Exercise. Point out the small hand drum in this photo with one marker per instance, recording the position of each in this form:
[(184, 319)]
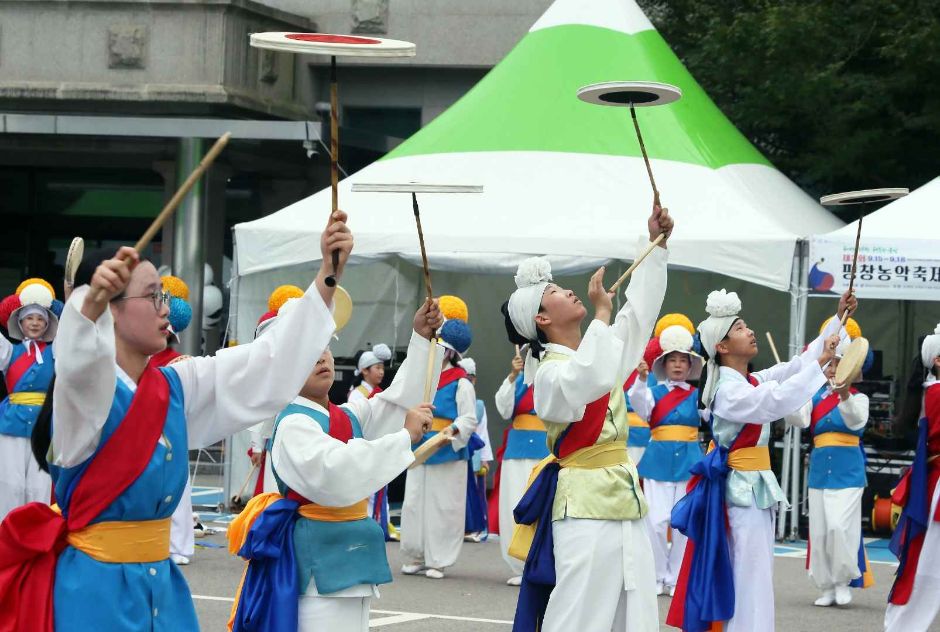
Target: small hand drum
[(630, 93), (429, 448), (850, 366), (74, 259), (332, 45), (342, 307)]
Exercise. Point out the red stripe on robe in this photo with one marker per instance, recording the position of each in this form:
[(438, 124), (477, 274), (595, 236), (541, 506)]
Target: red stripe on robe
[(32, 536), (583, 433), (450, 375), (22, 364), (672, 400)]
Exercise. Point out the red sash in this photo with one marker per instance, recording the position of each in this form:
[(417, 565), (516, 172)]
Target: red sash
[(669, 403), (630, 381), (32, 536), (824, 407), (526, 403), (164, 357), (22, 364), (450, 376), (585, 432), (341, 429), (375, 391), (492, 503)]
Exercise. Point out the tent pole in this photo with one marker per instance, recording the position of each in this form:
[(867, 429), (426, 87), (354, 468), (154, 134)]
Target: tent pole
[(799, 293)]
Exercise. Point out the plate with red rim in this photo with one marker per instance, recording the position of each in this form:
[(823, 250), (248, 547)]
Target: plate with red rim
[(627, 93), (866, 196), (332, 44)]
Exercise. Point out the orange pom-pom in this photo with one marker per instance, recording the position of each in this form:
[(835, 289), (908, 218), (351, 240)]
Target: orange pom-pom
[(674, 319), (281, 295), (454, 308), (851, 327), (42, 282), (175, 286)]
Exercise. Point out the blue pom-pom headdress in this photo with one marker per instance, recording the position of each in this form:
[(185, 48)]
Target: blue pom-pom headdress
[(57, 307), (456, 335), (180, 314)]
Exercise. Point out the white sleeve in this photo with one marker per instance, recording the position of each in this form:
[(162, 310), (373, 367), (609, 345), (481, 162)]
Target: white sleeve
[(356, 397), (506, 399), (466, 420), (255, 441), (385, 412), (784, 370), (244, 385), (564, 388), (767, 402), (802, 417), (330, 472), (486, 452), (6, 352), (641, 398), (86, 374), (855, 411), (644, 299)]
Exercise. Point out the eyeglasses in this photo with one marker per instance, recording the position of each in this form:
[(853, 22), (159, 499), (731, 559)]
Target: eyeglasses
[(157, 298)]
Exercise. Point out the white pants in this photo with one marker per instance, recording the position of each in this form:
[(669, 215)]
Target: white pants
[(182, 536), (21, 480), (835, 531), (635, 454), (433, 514), (336, 614), (604, 578), (921, 609), (752, 558), (662, 497), (512, 482)]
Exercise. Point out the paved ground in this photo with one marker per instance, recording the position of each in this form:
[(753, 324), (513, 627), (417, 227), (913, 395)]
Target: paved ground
[(473, 596)]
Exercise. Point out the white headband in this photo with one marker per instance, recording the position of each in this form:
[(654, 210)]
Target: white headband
[(380, 353), (723, 309), (30, 310), (532, 277), (930, 349)]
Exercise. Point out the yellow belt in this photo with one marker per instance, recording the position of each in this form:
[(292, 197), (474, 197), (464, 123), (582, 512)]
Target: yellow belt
[(753, 459), (835, 440), (636, 421), (675, 433), (356, 511), (527, 422), (439, 424), (592, 457), (28, 399), (124, 542)]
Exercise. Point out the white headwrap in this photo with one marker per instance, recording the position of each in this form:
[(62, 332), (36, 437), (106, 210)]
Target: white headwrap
[(380, 353), (469, 365), (723, 309), (930, 349), (532, 277)]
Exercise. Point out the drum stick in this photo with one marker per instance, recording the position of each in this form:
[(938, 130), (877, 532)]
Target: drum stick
[(639, 260), (432, 351), (646, 158), (518, 352), (237, 497), (773, 347), (334, 159), (177, 198)]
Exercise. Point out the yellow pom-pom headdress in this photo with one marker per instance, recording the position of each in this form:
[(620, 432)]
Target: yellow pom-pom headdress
[(281, 295), (851, 327), (32, 281), (454, 308), (175, 286), (673, 319)]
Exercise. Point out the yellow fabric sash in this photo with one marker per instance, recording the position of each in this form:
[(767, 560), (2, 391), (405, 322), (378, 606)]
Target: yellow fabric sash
[(313, 511), (635, 420), (28, 399), (124, 542), (835, 440), (592, 457), (439, 424), (527, 422), (751, 459), (675, 433)]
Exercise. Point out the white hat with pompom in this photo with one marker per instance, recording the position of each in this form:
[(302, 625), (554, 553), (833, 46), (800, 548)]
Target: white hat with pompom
[(930, 349), (677, 339)]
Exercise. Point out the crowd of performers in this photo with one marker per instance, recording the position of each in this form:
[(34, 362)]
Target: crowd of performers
[(604, 498)]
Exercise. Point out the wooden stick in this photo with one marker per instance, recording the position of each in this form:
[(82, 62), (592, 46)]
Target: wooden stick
[(432, 351), (646, 158), (518, 351), (639, 260), (177, 198), (334, 158), (237, 497), (773, 347)]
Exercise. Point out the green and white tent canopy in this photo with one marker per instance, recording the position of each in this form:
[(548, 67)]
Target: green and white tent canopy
[(562, 177)]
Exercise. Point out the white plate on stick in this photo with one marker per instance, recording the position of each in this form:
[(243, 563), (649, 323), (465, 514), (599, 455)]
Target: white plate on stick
[(332, 44), (866, 196), (435, 443)]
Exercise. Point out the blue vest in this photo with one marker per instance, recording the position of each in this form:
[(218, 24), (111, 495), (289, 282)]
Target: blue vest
[(835, 467), (17, 420), (92, 596), (670, 461), (445, 407), (525, 444), (336, 555)]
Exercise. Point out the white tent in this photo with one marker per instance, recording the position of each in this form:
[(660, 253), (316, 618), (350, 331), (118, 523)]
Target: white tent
[(898, 252), (561, 177)]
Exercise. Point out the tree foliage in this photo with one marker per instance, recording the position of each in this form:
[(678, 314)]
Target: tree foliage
[(840, 95)]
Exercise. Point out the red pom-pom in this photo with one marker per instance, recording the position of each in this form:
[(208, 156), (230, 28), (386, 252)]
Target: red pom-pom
[(7, 307), (267, 316), (653, 351)]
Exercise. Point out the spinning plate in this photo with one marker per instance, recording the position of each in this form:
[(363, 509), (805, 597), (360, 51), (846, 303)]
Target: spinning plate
[(866, 196), (627, 93), (74, 259), (333, 45), (415, 187)]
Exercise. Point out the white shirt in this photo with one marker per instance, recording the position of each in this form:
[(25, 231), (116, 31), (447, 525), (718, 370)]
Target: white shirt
[(486, 452), (643, 402), (607, 353), (505, 399), (466, 420), (854, 411), (233, 390)]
